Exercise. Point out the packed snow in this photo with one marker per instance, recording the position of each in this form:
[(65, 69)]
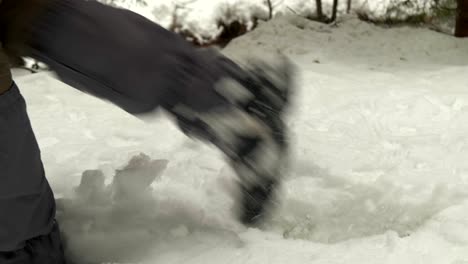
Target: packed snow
[(378, 171)]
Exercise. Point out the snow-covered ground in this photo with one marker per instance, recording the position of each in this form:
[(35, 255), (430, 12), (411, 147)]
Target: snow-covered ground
[(379, 170)]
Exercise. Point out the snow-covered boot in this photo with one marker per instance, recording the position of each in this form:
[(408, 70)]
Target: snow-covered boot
[(250, 131)]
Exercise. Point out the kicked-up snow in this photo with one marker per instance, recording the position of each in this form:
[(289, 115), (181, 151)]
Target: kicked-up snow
[(378, 169)]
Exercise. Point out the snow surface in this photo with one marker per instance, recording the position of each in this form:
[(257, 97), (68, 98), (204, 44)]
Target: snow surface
[(378, 167), (202, 17)]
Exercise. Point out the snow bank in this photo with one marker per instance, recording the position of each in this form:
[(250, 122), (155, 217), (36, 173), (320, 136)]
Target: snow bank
[(205, 19), (353, 41)]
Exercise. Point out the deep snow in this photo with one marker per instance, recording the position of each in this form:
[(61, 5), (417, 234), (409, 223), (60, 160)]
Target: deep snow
[(378, 167)]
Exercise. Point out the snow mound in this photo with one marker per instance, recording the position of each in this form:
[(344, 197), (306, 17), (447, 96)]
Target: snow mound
[(321, 207), (124, 208), (352, 41)]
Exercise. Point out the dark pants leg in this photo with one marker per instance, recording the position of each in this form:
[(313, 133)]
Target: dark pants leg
[(39, 250), (122, 57), (27, 206)]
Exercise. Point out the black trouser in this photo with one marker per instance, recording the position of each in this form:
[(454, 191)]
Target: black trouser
[(46, 249), (123, 57), (27, 206)]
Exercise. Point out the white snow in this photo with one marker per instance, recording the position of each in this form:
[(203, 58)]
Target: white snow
[(379, 169)]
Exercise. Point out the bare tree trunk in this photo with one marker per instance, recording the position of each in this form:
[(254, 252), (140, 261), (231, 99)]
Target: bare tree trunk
[(318, 4), (270, 9), (348, 9), (461, 28), (334, 11)]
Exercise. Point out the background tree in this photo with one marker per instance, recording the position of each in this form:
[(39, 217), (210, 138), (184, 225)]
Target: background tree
[(270, 9), (334, 11), (318, 5), (461, 28)]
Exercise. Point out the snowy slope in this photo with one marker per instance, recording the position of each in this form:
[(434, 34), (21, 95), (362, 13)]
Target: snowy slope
[(378, 170)]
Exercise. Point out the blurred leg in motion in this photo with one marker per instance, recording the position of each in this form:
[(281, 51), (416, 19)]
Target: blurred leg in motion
[(122, 57)]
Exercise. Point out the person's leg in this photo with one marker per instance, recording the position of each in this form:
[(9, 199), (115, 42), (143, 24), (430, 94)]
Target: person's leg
[(140, 66), (28, 231), (38, 250)]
